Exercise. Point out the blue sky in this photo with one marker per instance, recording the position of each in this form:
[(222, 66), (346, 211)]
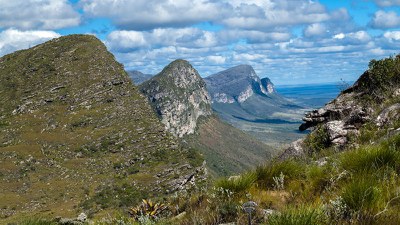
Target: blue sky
[(289, 41)]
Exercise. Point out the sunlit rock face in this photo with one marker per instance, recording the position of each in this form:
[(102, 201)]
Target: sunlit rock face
[(179, 96)]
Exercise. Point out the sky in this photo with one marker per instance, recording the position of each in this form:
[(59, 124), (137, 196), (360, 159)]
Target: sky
[(289, 41)]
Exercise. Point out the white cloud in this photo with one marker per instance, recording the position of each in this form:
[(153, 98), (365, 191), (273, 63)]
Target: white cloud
[(339, 36), (383, 20), (12, 40), (392, 35), (37, 14), (123, 41), (150, 14), (217, 59), (387, 3), (315, 29)]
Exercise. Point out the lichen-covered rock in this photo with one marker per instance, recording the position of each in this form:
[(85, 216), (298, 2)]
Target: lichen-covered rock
[(179, 96)]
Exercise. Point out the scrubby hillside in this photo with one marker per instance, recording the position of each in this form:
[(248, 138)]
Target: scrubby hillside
[(76, 135)]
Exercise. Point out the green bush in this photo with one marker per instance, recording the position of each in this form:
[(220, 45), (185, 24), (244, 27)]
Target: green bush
[(317, 140), (298, 216), (318, 177), (289, 168), (237, 184)]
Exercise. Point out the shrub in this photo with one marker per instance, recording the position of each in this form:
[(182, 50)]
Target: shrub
[(317, 140), (318, 177), (38, 221), (289, 169)]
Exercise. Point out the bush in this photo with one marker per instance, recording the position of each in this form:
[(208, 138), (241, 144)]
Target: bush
[(299, 216), (318, 178), (317, 140), (289, 168)]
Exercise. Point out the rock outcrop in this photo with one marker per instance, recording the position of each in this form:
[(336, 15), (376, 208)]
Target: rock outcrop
[(374, 98), (179, 96)]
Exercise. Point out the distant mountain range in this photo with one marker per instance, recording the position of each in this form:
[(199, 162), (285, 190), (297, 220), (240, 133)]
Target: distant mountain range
[(138, 77)]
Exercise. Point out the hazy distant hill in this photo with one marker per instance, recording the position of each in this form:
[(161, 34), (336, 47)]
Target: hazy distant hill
[(138, 77)]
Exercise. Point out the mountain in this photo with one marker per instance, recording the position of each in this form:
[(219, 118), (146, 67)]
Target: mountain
[(252, 104), (77, 136), (180, 98), (138, 77)]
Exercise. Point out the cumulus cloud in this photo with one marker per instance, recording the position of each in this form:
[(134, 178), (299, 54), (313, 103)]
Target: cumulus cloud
[(216, 59), (383, 20), (124, 41), (387, 3), (12, 39), (315, 29), (150, 14), (37, 14)]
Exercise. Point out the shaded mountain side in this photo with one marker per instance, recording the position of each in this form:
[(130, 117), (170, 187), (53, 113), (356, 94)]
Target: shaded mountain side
[(76, 135), (138, 77), (227, 150)]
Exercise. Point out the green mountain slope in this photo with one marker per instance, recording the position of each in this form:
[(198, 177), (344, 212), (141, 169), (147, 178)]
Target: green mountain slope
[(76, 135)]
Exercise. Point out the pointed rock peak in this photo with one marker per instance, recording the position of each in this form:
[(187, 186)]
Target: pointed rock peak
[(179, 96)]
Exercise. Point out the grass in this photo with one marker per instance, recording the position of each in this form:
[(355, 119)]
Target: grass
[(290, 169), (237, 184), (296, 216)]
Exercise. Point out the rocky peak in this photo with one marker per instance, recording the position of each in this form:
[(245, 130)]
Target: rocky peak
[(179, 96), (237, 84)]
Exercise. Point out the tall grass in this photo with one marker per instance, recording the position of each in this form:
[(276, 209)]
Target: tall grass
[(237, 184), (297, 216), (289, 168), (371, 158)]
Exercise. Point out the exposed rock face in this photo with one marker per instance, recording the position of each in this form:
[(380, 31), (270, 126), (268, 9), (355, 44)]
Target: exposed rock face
[(237, 84), (139, 77), (179, 96)]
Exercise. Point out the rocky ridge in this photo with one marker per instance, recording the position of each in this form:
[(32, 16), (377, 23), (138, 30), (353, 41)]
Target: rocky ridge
[(179, 96)]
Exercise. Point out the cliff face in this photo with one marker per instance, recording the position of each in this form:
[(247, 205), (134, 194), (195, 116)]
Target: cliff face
[(76, 135), (179, 96)]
